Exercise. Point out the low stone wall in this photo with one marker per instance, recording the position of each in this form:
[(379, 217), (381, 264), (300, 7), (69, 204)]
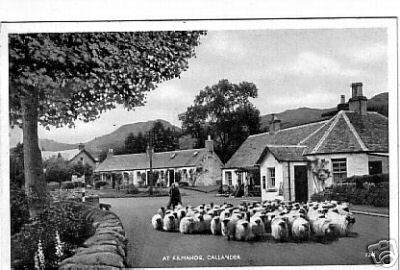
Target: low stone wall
[(106, 249)]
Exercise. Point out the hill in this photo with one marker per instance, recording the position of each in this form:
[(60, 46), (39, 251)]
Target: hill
[(290, 118), (116, 138)]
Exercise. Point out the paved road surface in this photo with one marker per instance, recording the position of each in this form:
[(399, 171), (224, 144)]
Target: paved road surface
[(150, 248)]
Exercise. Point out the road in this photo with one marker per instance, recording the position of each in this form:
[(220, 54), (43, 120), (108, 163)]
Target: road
[(150, 248)]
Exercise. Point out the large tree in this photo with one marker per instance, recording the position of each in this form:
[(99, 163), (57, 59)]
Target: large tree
[(56, 79), (223, 110)]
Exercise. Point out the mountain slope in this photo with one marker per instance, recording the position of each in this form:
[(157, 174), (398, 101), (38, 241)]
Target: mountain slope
[(290, 118), (116, 138)]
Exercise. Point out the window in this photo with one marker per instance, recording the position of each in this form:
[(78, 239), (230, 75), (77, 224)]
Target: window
[(162, 174), (375, 167), (271, 178), (228, 177), (339, 170), (263, 182)]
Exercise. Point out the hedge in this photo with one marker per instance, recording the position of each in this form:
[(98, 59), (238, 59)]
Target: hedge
[(365, 190)]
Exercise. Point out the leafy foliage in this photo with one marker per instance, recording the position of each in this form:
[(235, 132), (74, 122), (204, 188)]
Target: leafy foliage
[(17, 165), (19, 208), (81, 75), (365, 190), (67, 220), (225, 111), (162, 140)]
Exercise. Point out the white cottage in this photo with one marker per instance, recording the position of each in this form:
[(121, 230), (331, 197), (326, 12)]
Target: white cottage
[(200, 167), (296, 162)]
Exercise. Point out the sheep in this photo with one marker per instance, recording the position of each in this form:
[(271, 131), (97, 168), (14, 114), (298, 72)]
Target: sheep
[(206, 224), (169, 223), (198, 221), (181, 214), (215, 226), (161, 211), (187, 225), (257, 225), (157, 222), (322, 228), (279, 228), (301, 229), (228, 228), (342, 223), (243, 231)]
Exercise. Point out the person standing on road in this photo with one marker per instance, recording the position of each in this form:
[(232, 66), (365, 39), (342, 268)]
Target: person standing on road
[(174, 196)]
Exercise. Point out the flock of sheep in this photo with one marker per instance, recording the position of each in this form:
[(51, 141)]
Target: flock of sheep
[(251, 221)]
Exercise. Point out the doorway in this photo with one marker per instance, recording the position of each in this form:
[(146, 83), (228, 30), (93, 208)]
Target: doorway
[(300, 183), (171, 177)]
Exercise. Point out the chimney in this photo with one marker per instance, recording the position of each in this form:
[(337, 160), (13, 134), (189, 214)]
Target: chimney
[(274, 125), (209, 144), (342, 106), (81, 146), (110, 152), (358, 102)]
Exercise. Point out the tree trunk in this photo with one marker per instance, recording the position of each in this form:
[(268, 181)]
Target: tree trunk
[(35, 186)]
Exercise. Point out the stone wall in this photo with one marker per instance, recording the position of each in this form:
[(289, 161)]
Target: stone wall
[(106, 249)]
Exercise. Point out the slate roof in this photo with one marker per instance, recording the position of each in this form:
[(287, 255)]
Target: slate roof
[(346, 132), (172, 159), (253, 147), (285, 153), (350, 132), (65, 154)]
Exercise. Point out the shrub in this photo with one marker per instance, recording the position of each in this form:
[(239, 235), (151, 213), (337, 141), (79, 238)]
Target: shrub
[(65, 220), (99, 184), (78, 184), (53, 185), (19, 208), (132, 189), (67, 185)]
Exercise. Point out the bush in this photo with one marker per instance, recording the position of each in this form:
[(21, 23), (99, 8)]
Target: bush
[(67, 185), (99, 184), (65, 220), (19, 208), (53, 185), (78, 184), (132, 189), (360, 192)]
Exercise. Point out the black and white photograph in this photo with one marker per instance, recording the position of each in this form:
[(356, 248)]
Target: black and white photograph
[(200, 143)]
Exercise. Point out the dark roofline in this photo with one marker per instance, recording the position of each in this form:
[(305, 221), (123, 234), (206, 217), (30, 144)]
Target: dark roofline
[(266, 149), (289, 128), (147, 168), (166, 152), (343, 152), (87, 153)]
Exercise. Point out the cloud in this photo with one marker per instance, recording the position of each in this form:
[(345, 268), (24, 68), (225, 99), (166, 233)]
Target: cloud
[(311, 64), (369, 54), (225, 44)]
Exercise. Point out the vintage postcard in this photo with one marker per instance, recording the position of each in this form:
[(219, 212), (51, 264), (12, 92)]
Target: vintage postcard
[(201, 143)]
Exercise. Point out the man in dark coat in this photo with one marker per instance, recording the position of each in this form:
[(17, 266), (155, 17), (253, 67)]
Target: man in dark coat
[(174, 196)]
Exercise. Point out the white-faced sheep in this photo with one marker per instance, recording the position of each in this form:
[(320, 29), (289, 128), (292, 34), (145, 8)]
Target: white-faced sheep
[(187, 225), (215, 226), (279, 228), (228, 228)]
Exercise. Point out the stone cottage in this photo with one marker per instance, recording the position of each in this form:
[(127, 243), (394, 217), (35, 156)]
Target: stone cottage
[(296, 162), (200, 167)]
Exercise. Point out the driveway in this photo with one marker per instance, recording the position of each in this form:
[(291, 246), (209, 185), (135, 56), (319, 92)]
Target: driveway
[(151, 248)]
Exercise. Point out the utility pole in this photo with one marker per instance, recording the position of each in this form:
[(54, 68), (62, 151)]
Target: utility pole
[(150, 151)]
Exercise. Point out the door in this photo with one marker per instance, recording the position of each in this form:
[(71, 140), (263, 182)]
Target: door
[(171, 177), (300, 183)]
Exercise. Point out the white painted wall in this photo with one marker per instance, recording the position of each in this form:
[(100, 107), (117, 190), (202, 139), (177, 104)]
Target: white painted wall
[(270, 162), (356, 164)]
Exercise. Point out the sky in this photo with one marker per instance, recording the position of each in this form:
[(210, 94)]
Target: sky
[(291, 69)]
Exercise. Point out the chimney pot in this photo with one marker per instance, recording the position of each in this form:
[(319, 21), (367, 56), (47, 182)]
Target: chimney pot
[(209, 144), (358, 102), (274, 125), (342, 99), (81, 146), (110, 152)]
